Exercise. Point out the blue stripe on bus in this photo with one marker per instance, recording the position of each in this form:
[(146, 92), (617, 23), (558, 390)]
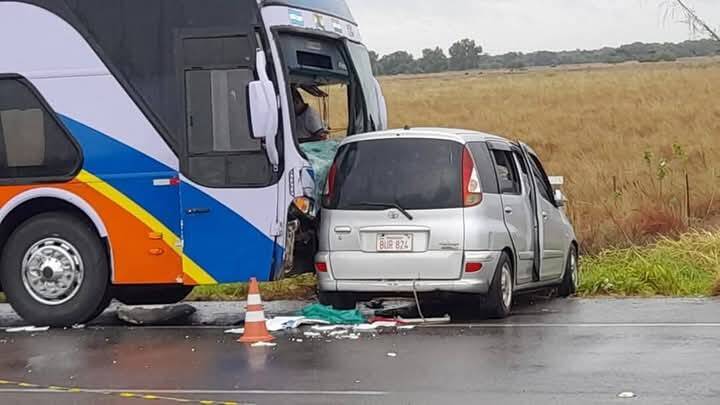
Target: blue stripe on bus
[(223, 243), (129, 171)]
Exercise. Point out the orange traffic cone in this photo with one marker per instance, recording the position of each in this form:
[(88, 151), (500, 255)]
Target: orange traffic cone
[(255, 328)]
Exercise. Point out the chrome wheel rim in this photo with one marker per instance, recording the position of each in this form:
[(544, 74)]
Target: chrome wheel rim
[(506, 285), (52, 271)]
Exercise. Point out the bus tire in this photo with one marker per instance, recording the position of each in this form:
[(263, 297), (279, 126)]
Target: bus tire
[(152, 294), (55, 271)]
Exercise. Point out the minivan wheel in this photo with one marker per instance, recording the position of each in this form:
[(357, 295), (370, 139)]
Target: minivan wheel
[(55, 271), (571, 279), (500, 296), (338, 300)]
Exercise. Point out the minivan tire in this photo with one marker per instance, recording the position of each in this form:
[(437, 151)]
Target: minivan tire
[(338, 300), (498, 305), (71, 242), (569, 284)]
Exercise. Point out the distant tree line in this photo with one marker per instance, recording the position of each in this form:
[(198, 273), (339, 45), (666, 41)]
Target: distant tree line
[(466, 54)]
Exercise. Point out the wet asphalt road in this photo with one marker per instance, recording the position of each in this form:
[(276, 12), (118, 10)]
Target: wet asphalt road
[(552, 352)]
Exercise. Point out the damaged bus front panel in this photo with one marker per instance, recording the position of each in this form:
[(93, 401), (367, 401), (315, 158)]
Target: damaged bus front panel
[(320, 54)]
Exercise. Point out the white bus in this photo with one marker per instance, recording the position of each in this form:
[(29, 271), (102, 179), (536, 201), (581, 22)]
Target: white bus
[(147, 147)]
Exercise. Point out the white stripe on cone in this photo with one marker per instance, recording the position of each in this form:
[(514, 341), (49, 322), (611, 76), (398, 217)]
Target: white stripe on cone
[(255, 316), (254, 299)]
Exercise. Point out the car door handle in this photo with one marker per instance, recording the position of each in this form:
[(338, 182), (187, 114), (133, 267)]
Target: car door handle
[(198, 211), (343, 229), (508, 210)]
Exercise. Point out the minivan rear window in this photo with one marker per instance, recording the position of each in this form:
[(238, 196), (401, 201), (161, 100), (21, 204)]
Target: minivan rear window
[(416, 174)]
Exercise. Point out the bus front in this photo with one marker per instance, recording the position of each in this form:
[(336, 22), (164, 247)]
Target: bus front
[(328, 92)]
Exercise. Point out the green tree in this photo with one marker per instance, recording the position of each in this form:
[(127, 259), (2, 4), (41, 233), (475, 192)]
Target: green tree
[(433, 60), (465, 55), (374, 59), (397, 63)]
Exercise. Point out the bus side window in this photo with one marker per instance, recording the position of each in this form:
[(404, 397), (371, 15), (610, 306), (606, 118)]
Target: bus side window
[(33, 144), (221, 151)]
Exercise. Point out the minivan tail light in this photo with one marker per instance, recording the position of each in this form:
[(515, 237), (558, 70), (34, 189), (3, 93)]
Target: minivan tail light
[(473, 267), (472, 190), (321, 267), (330, 183)]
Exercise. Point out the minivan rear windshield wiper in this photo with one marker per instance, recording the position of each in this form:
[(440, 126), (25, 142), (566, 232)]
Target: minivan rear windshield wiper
[(385, 205)]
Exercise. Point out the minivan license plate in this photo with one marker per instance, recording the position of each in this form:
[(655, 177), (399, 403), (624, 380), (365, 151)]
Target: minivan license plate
[(395, 242)]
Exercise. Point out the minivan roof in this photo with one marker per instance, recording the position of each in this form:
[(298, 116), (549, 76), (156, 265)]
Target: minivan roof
[(458, 135)]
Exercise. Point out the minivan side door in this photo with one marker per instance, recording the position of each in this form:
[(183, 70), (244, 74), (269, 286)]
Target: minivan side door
[(517, 210), (553, 226)]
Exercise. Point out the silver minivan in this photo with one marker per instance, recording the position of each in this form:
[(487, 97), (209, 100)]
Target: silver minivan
[(437, 210)]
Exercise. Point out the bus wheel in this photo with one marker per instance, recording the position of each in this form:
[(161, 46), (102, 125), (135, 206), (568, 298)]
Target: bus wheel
[(152, 294), (55, 271)]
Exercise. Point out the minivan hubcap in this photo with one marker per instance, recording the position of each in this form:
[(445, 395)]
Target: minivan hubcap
[(506, 284), (52, 271)]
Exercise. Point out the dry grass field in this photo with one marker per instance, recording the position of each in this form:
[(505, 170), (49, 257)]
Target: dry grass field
[(622, 136)]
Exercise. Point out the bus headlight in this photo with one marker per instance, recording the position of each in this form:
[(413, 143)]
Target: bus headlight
[(305, 205)]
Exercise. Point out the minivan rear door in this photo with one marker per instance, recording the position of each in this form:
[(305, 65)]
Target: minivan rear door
[(537, 217), (394, 210)]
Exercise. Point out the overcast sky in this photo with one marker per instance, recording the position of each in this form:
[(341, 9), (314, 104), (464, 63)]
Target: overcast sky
[(519, 25)]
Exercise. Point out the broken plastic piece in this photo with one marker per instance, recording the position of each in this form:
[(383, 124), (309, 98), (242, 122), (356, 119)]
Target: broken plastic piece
[(418, 321), (238, 331), (263, 344), (28, 329)]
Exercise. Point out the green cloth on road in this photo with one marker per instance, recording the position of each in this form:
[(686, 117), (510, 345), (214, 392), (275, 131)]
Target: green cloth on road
[(334, 316)]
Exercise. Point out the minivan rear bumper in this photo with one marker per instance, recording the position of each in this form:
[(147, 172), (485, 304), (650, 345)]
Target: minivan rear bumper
[(470, 283)]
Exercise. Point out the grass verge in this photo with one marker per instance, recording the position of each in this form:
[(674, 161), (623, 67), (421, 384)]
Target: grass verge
[(686, 267), (297, 288)]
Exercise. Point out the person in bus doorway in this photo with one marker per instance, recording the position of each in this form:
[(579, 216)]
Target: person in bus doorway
[(309, 126)]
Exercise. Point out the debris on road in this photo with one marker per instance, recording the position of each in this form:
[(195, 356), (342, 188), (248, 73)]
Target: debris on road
[(392, 354), (28, 329), (627, 395), (333, 316), (154, 314), (263, 344), (420, 321), (237, 331), (291, 322), (312, 334)]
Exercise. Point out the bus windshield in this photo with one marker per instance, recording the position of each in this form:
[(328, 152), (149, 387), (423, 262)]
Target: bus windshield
[(334, 93)]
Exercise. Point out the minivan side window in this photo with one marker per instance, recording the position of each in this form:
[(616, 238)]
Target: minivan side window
[(507, 174), (33, 144), (542, 181)]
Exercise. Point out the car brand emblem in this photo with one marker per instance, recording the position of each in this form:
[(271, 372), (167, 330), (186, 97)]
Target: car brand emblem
[(393, 215)]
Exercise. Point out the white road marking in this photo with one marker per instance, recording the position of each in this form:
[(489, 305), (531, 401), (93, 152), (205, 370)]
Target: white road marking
[(578, 325), (197, 392)]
